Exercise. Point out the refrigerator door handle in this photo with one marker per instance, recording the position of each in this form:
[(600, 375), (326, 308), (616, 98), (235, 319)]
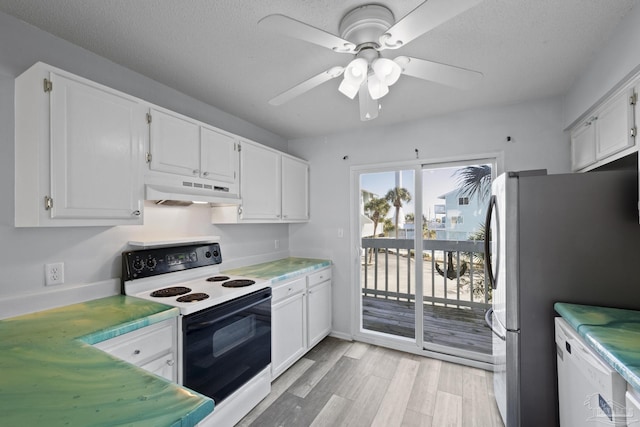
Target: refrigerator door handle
[(488, 318), (491, 275)]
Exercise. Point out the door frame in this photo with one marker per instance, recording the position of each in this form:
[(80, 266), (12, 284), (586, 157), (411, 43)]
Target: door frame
[(416, 345)]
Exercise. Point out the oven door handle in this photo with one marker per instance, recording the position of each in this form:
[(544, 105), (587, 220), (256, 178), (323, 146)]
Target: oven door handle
[(200, 325)]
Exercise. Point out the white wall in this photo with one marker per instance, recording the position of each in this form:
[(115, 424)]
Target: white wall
[(537, 142), (91, 254), (619, 58)]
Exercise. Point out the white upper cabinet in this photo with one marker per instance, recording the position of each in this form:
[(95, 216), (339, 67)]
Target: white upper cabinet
[(78, 152), (274, 188), (615, 125), (174, 143), (179, 145), (259, 183), (295, 189), (219, 156), (583, 145), (608, 134)]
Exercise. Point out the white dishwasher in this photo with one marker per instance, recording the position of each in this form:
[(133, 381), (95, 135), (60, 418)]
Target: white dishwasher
[(590, 391), (633, 407)]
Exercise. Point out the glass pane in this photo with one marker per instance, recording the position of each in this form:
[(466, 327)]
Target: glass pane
[(387, 247), (455, 290)]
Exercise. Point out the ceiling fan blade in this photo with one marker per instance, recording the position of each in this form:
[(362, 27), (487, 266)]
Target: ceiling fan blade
[(307, 85), (368, 106), (299, 30), (448, 75), (423, 18)]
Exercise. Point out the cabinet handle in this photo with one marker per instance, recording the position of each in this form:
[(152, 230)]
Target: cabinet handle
[(171, 362), (632, 132), (136, 352), (590, 121), (205, 173), (135, 213), (196, 171)]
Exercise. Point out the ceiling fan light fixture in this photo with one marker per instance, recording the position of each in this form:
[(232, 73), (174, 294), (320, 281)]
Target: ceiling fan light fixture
[(354, 75), (348, 88), (356, 71), (377, 88), (386, 70)]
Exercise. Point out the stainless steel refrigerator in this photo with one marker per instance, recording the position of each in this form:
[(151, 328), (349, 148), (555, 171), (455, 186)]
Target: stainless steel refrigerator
[(570, 238)]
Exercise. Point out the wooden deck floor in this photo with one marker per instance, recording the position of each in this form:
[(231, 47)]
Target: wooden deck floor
[(452, 327)]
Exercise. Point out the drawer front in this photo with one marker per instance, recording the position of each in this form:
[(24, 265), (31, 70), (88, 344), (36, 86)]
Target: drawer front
[(287, 289), (319, 277), (140, 346)]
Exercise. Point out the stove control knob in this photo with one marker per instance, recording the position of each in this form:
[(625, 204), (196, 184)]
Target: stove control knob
[(151, 262), (207, 254), (216, 253), (137, 264)]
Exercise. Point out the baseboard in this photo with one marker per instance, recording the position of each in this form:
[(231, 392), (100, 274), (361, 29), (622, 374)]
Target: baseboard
[(341, 335)]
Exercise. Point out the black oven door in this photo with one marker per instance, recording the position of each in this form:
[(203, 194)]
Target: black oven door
[(227, 345)]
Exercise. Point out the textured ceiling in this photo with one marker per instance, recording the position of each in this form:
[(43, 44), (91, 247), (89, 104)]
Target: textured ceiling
[(215, 52)]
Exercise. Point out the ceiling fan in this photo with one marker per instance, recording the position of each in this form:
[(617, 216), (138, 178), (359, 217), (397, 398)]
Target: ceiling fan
[(365, 32)]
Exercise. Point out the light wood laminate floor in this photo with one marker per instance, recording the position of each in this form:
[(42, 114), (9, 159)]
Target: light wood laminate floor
[(342, 383)]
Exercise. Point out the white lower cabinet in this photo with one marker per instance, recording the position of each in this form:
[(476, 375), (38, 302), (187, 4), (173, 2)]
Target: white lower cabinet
[(288, 325), (152, 348), (300, 318), (318, 306)]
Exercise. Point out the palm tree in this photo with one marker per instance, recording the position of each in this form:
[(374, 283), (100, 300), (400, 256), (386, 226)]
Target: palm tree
[(474, 180), (387, 226), (396, 196), (376, 209)]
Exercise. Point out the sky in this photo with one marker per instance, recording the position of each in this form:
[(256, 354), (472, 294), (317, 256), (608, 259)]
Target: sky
[(436, 182)]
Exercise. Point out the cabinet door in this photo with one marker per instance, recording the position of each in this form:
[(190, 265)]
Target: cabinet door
[(295, 189), (219, 156), (615, 120), (174, 144), (163, 366), (153, 348), (319, 312), (259, 183), (288, 333), (96, 142), (583, 145)]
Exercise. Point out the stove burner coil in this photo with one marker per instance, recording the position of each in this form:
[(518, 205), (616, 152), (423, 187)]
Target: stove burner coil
[(170, 292), (238, 283), (198, 296), (217, 278)]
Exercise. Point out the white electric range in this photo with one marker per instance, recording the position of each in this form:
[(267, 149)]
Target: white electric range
[(224, 335)]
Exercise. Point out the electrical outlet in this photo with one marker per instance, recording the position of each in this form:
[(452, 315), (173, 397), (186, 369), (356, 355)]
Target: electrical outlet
[(54, 274), (276, 244), (340, 232)]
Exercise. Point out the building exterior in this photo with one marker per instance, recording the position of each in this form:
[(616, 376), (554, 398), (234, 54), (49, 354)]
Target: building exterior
[(461, 217)]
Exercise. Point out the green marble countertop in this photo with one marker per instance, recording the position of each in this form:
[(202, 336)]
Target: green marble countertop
[(612, 332), (282, 269), (52, 376)]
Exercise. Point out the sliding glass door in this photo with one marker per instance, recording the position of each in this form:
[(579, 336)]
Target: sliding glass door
[(456, 293), (387, 245), (433, 297)]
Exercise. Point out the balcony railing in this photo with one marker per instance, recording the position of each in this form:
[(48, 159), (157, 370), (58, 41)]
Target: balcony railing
[(453, 273), (456, 293)]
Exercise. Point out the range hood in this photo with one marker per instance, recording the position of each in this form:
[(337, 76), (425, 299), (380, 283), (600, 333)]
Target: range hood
[(183, 191)]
